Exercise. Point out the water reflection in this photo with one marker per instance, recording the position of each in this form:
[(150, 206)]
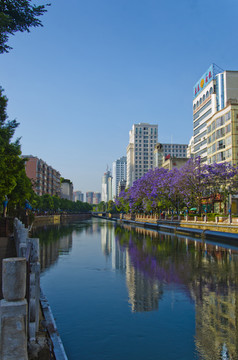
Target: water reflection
[(206, 273), (56, 240), (154, 264)]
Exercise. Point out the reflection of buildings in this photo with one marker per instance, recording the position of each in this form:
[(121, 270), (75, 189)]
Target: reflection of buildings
[(206, 273), (144, 293), (216, 299), (118, 256), (49, 252), (107, 237), (216, 325)]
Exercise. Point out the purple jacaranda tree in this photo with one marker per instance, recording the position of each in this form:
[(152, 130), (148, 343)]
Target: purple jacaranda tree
[(161, 189), (220, 179), (201, 180)]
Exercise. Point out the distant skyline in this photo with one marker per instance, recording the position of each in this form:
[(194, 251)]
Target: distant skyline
[(77, 85)]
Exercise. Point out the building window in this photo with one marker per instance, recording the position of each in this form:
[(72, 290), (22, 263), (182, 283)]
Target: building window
[(221, 156), (221, 144), (228, 140), (228, 153), (228, 128), (228, 116)]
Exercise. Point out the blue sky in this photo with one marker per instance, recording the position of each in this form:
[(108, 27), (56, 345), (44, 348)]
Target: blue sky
[(77, 85)]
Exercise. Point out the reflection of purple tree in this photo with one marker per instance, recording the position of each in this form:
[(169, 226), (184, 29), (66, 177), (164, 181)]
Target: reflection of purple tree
[(171, 261), (150, 267)]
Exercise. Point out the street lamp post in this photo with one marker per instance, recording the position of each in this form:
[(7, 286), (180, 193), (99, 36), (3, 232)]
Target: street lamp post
[(229, 205)]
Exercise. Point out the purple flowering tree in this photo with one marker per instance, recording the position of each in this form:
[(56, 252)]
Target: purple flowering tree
[(161, 189)]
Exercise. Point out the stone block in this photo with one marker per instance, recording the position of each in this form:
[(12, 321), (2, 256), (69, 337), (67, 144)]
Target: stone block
[(14, 279), (13, 330)]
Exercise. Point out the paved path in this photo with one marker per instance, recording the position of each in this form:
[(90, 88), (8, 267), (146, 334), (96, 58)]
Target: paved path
[(7, 249)]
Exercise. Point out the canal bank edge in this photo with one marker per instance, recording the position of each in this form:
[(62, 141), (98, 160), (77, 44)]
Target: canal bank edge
[(58, 348), (43, 220), (202, 230)]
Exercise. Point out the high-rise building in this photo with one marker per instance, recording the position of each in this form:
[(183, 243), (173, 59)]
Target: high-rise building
[(142, 140), (67, 189), (89, 197), (107, 186), (119, 168), (45, 179), (158, 155), (96, 198), (78, 196), (175, 150), (222, 135), (190, 149), (121, 186), (163, 152), (215, 100)]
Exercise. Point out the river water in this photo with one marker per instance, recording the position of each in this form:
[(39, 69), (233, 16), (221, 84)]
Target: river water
[(121, 292)]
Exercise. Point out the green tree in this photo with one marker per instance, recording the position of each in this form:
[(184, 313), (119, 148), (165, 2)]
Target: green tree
[(22, 191), (47, 202), (102, 206), (11, 163), (17, 15)]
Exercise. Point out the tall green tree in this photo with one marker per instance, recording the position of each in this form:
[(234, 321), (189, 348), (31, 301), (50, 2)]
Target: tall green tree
[(17, 15), (11, 163)]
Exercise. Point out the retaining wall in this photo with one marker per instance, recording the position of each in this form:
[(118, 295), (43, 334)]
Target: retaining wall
[(59, 219)]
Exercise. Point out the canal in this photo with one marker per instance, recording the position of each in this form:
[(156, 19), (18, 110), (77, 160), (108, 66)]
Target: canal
[(121, 292)]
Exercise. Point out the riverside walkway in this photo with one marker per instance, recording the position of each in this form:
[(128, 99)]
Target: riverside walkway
[(220, 229)]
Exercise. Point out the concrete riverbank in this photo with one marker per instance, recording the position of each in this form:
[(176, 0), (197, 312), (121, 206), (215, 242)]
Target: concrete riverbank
[(206, 230), (43, 220)]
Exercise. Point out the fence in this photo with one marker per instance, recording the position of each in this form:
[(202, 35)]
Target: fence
[(19, 320)]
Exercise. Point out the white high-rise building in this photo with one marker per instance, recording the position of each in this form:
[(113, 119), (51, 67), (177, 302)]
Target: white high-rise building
[(78, 196), (119, 168), (106, 186), (212, 93), (142, 140), (67, 189)]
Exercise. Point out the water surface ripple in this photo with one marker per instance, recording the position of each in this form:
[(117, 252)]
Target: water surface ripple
[(131, 293)]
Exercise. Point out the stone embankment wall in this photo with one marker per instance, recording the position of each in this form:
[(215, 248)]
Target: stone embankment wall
[(21, 293), (222, 227), (59, 219), (20, 306)]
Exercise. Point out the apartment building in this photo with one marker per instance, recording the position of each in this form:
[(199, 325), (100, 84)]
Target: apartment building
[(222, 135), (140, 150), (175, 150), (214, 91), (67, 189), (119, 170), (89, 197), (107, 186), (78, 196), (45, 179), (96, 198)]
